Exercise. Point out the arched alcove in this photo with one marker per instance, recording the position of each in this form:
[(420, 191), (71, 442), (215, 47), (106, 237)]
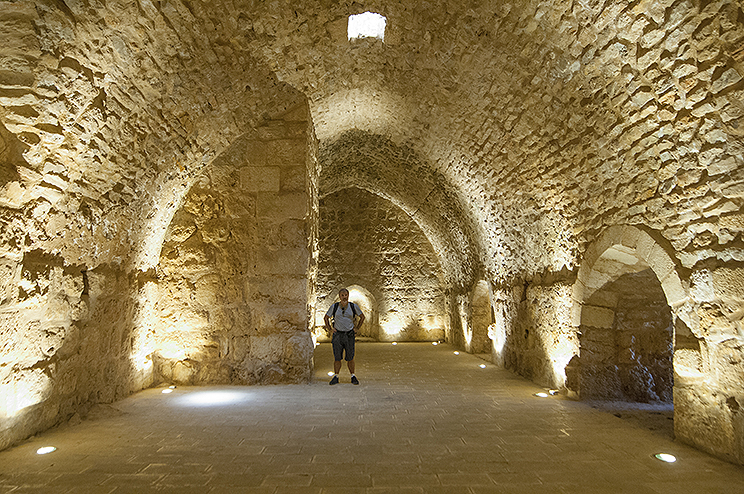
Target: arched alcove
[(366, 241), (233, 271), (623, 301)]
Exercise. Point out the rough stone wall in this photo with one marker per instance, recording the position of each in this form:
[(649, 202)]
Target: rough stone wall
[(533, 334), (56, 357), (398, 174), (630, 360), (233, 271), (105, 119), (367, 241)]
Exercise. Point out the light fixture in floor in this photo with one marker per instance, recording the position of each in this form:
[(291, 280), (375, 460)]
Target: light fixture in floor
[(330, 373), (45, 450), (457, 353), (665, 457), (395, 343), (434, 343), (482, 366), (167, 391), (542, 395)]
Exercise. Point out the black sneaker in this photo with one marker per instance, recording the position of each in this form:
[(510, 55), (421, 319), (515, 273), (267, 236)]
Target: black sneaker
[(354, 380), (334, 380)]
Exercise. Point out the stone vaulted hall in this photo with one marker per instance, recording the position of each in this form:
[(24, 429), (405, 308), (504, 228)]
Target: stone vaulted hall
[(537, 204)]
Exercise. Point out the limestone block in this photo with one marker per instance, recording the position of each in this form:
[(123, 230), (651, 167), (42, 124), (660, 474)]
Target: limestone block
[(337, 30), (280, 290), (286, 152), (598, 317), (727, 79), (183, 372), (282, 206), (268, 348), (207, 289), (215, 231), (293, 178), (179, 233), (733, 191), (299, 350), (9, 280), (728, 283), (702, 288), (240, 206), (273, 130), (281, 261), (700, 419), (260, 178), (239, 348)]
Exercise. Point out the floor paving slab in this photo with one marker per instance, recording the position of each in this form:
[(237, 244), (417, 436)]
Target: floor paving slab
[(423, 420)]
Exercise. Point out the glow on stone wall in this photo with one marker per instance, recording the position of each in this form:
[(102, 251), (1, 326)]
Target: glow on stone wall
[(373, 110), (467, 330), (559, 346), (143, 343), (399, 325), (497, 332), (27, 389)]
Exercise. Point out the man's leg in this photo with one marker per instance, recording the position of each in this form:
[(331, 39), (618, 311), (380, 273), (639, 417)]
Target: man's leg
[(350, 364), (337, 356), (350, 358)]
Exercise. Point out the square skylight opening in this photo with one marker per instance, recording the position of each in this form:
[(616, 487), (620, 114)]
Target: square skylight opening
[(367, 25)]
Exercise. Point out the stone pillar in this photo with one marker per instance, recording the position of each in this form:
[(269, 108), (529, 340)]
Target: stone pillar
[(709, 362), (233, 272)]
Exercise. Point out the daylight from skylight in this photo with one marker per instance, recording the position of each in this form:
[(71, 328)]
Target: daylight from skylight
[(367, 25)]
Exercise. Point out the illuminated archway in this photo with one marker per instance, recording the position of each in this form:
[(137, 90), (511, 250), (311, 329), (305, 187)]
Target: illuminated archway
[(616, 358)]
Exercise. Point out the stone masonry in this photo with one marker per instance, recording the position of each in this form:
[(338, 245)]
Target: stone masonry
[(162, 166)]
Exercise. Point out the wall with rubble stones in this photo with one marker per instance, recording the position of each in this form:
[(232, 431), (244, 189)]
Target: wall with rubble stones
[(232, 276), (105, 121), (366, 241), (632, 359)]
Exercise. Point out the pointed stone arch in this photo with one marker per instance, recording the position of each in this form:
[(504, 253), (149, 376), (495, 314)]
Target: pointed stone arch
[(622, 258)]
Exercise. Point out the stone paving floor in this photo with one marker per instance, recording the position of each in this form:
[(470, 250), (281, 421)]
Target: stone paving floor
[(422, 420)]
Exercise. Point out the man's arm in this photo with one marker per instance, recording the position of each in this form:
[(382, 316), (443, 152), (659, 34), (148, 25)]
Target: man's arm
[(327, 320), (361, 321)]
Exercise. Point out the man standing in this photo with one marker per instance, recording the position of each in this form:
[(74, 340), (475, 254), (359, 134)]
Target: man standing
[(345, 323)]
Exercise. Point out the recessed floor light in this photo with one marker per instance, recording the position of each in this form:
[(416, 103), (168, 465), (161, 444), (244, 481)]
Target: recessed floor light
[(166, 391), (330, 373), (45, 450), (542, 395), (665, 457), (395, 343), (482, 366), (457, 353), (434, 343)]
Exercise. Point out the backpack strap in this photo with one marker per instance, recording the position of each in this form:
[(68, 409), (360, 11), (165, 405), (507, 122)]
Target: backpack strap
[(353, 309)]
